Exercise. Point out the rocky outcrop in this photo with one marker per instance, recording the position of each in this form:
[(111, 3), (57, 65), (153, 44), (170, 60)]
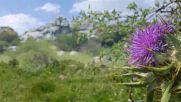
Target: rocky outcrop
[(7, 30), (84, 27), (8, 38), (59, 26)]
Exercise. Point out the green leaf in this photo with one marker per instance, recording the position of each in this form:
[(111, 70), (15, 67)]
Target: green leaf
[(150, 88), (167, 94), (150, 93), (176, 42), (129, 68), (132, 6), (160, 58), (178, 56), (159, 69), (177, 89), (133, 84), (142, 75)]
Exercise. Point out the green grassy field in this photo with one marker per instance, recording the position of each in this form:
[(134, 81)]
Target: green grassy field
[(69, 81)]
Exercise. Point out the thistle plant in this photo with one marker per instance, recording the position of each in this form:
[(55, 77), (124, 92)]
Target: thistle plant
[(155, 61), (146, 43)]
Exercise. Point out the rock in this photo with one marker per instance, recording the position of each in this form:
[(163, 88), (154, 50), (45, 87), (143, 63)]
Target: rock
[(85, 27), (7, 29), (8, 34), (73, 52), (8, 37), (105, 60), (62, 77), (60, 53), (12, 48), (96, 59), (59, 26), (32, 34)]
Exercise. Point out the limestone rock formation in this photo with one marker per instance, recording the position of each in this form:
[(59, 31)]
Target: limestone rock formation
[(8, 38), (7, 30), (59, 26)]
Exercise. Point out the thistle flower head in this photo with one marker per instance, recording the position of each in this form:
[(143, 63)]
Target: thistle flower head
[(146, 42)]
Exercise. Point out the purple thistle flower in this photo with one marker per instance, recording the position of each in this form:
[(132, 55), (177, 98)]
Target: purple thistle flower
[(147, 42)]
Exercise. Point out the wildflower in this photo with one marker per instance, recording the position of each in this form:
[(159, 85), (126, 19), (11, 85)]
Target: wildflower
[(147, 42)]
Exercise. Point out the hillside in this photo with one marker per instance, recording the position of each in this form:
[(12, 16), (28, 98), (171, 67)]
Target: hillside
[(110, 51)]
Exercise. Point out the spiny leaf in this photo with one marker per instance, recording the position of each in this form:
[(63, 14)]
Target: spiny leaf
[(177, 89), (133, 84), (178, 55), (150, 93), (176, 42), (127, 68), (167, 94), (143, 75), (150, 88), (157, 69)]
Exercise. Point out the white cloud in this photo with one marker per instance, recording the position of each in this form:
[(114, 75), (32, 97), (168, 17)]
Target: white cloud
[(19, 22), (49, 7), (100, 5)]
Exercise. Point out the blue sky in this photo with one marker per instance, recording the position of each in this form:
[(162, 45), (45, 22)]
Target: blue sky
[(27, 14), (29, 6)]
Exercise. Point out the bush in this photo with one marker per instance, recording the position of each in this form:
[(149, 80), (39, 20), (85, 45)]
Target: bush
[(43, 87), (65, 42), (68, 42), (34, 55), (92, 46), (70, 66)]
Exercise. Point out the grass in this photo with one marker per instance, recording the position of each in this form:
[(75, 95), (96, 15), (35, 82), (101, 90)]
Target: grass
[(81, 57), (67, 81), (45, 86)]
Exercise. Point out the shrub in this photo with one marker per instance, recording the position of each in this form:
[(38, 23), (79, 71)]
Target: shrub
[(34, 55), (70, 66), (43, 87), (92, 46)]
